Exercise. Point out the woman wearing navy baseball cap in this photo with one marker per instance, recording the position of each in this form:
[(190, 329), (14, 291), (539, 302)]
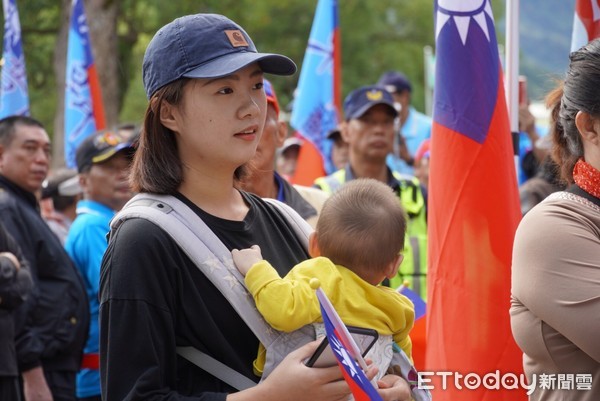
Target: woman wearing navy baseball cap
[(204, 80)]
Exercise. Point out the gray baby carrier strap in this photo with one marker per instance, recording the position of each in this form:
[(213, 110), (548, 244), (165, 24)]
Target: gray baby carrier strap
[(214, 260)]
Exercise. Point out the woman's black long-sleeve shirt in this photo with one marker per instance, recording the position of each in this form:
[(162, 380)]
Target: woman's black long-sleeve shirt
[(154, 298)]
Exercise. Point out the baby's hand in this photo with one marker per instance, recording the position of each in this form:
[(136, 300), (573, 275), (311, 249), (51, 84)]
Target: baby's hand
[(245, 258)]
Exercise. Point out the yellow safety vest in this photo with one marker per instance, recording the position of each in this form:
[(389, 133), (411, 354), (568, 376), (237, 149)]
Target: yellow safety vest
[(414, 266)]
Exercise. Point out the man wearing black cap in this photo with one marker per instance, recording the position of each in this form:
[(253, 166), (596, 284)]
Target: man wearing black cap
[(51, 326), (369, 131), (414, 127), (103, 161)]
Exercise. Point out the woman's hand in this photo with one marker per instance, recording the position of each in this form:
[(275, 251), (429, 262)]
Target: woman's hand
[(293, 380), (393, 388)]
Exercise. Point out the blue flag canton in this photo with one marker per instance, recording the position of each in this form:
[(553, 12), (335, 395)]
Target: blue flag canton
[(467, 82)]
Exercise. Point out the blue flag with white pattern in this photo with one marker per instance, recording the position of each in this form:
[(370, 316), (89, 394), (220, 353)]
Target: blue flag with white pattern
[(14, 99)]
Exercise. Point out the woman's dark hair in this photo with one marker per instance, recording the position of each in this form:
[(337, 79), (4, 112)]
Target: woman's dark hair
[(157, 167), (579, 92)]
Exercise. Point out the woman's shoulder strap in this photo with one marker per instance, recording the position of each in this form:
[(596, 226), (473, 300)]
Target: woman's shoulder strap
[(300, 227), (203, 248)]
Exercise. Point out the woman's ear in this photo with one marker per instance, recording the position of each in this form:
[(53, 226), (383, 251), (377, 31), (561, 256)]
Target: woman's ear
[(168, 115), (313, 245), (588, 126)]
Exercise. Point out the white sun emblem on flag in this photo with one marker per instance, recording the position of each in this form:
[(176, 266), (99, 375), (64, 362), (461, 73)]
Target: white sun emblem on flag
[(462, 12), (346, 358)]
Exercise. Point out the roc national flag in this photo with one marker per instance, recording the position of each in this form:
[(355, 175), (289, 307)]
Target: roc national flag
[(14, 97), (346, 352), (586, 23), (473, 206), (317, 99), (84, 112)]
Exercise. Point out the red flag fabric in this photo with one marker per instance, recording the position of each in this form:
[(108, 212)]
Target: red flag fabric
[(473, 209), (586, 23)]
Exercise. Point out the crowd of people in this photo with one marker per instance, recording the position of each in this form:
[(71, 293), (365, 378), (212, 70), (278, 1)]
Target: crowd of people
[(97, 298)]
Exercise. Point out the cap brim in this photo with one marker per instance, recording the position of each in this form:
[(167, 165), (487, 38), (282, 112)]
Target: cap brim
[(110, 152), (290, 143), (359, 113), (270, 63), (70, 187)]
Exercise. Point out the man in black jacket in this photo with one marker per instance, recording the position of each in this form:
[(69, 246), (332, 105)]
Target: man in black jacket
[(15, 285), (52, 325)]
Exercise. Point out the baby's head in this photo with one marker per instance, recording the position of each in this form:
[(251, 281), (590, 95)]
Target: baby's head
[(362, 227)]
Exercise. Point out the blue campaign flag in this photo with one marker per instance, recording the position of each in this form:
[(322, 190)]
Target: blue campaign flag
[(316, 101), (14, 98), (84, 113)]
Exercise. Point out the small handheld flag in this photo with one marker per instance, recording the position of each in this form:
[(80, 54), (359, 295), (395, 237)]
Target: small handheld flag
[(345, 350)]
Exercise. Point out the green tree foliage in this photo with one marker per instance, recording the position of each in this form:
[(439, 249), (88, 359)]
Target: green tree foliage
[(40, 20), (376, 36)]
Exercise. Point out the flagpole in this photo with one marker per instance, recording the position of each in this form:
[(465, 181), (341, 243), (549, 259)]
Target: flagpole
[(429, 73), (512, 73)]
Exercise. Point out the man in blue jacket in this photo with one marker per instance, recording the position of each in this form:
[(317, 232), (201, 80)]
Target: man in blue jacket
[(103, 161)]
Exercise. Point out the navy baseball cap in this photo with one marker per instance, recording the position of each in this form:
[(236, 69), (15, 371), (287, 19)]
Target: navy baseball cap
[(395, 82), (204, 46), (362, 99), (100, 147)]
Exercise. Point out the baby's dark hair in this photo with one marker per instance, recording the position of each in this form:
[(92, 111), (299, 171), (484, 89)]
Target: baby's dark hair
[(362, 226), (579, 92)]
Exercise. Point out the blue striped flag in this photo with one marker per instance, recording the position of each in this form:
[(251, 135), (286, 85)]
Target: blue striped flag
[(15, 98), (317, 99), (84, 113)]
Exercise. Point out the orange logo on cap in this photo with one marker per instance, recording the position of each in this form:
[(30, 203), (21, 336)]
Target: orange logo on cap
[(108, 139), (374, 95), (236, 38)]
